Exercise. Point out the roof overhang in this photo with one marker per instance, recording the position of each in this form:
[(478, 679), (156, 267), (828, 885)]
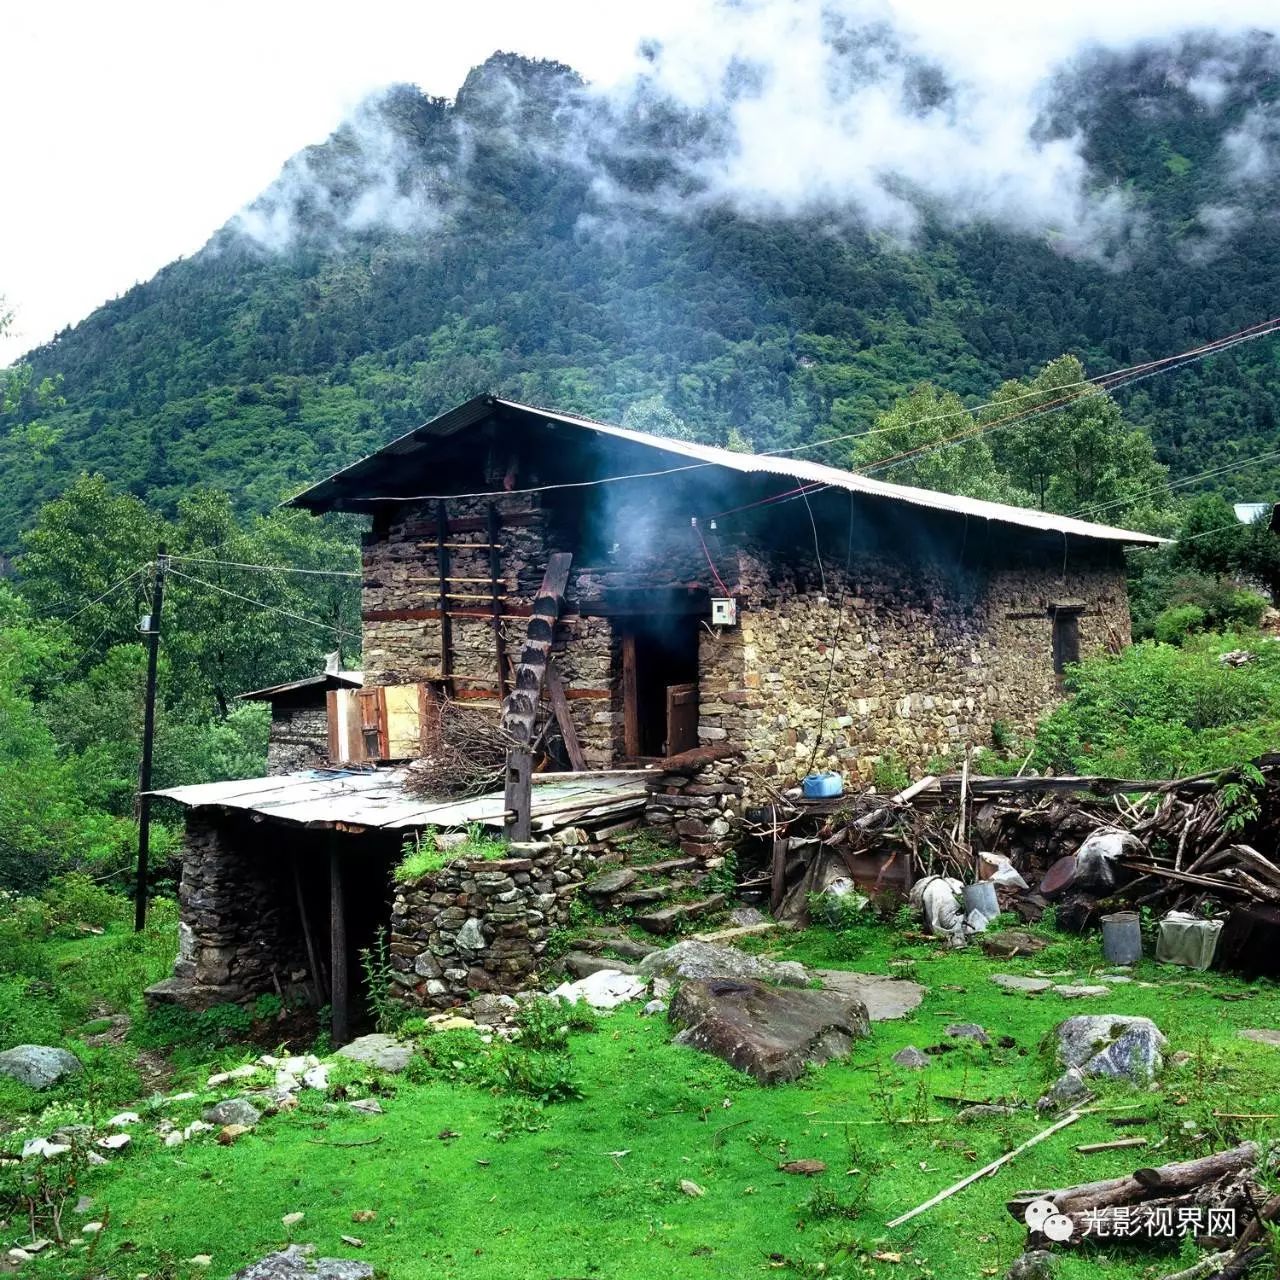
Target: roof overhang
[(355, 488)]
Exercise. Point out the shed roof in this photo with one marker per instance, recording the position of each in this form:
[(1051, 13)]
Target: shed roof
[(358, 486), (325, 680), (378, 798)]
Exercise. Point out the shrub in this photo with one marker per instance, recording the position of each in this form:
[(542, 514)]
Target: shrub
[(1176, 623), (76, 899)]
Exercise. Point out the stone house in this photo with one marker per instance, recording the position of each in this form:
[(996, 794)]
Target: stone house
[(758, 616), (299, 734)]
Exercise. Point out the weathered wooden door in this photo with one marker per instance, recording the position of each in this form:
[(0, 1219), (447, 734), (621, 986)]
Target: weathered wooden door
[(682, 718)]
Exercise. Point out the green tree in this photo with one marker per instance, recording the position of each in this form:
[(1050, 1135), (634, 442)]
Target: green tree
[(929, 420), (1077, 455)]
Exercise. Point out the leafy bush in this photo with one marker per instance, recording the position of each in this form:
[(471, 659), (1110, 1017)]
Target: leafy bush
[(1157, 710), (890, 774), (546, 1077), (1175, 624), (76, 899)]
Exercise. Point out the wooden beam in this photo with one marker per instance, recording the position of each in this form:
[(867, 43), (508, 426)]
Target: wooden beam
[(340, 1021), (495, 572), (472, 524), (446, 623), (521, 612), (568, 731), (630, 697)]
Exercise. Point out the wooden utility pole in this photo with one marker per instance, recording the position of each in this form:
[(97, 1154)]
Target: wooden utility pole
[(148, 740)]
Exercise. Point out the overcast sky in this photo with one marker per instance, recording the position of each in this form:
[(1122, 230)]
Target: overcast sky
[(130, 131)]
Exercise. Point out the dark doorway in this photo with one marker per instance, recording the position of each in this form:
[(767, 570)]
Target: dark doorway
[(659, 664)]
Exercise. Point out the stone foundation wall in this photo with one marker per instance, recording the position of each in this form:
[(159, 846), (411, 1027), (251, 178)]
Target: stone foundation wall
[(299, 739), (699, 807), (483, 925), (238, 935)]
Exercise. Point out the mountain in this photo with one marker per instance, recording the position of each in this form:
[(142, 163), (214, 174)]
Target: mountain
[(540, 239)]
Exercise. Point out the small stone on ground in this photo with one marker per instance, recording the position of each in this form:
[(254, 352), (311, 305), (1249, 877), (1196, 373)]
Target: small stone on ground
[(911, 1058), (968, 1031), (377, 1050), (1011, 942), (885, 998), (1076, 993), (238, 1111), (1017, 982), (1263, 1035), (296, 1263)]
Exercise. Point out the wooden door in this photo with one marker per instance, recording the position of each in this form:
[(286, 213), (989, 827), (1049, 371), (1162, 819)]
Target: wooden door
[(682, 718)]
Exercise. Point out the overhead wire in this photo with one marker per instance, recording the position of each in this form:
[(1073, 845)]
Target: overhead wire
[(111, 590), (269, 568), (332, 628)]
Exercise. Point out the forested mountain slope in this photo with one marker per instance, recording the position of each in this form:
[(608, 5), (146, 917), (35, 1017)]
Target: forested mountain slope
[(526, 238)]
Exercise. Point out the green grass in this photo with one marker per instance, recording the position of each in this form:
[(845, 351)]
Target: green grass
[(544, 1191)]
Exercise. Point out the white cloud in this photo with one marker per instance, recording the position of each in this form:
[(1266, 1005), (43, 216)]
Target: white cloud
[(133, 130)]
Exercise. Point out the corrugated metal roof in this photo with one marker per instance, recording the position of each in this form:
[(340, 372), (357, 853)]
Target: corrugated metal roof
[(378, 799), (336, 679), (339, 486)]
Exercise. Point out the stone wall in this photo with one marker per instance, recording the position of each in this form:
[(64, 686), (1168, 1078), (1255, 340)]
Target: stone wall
[(927, 659), (238, 930), (299, 738), (483, 925), (699, 807), (943, 634)]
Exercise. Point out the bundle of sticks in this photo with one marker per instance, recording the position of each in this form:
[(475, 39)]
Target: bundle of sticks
[(466, 754)]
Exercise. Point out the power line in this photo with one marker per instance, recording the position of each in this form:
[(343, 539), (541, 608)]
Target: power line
[(269, 568), (1106, 382), (1224, 469), (99, 599), (1240, 335), (262, 604)]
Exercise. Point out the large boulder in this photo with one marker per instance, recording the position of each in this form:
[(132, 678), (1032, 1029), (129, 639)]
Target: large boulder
[(38, 1066), (297, 1263), (771, 1033), (693, 959), (1126, 1048), (378, 1050)]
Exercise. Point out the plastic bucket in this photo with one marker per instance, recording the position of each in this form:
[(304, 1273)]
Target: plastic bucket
[(1122, 937), (981, 897)]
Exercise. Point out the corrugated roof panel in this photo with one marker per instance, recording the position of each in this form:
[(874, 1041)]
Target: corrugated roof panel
[(339, 484)]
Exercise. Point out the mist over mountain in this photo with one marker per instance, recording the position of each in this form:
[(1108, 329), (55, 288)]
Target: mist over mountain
[(774, 228)]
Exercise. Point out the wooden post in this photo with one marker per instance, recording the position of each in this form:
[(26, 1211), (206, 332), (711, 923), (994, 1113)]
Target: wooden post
[(495, 572), (148, 741), (340, 1022), (446, 622), (630, 698), (568, 731), (778, 872), (317, 979), (520, 709)]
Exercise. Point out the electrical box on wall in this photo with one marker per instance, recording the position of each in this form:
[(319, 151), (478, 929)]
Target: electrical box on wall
[(724, 612)]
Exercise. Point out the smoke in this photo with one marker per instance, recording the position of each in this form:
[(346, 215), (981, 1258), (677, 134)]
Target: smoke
[(841, 110)]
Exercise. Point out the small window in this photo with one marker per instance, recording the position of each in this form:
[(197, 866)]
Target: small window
[(1066, 637)]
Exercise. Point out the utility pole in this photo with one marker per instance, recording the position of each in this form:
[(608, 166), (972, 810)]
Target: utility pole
[(152, 632)]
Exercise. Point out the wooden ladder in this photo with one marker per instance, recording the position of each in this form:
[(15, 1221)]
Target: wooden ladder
[(520, 707)]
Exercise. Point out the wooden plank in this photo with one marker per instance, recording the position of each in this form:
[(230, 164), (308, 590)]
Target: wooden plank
[(516, 612), (560, 707), (446, 623), (630, 697), (778, 872), (682, 718), (495, 572), (474, 524), (340, 1024)]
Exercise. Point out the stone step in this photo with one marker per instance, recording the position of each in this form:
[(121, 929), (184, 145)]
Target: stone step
[(666, 867), (582, 965), (611, 882), (669, 919), (647, 896)]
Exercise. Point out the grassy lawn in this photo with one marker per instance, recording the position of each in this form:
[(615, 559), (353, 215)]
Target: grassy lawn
[(471, 1182)]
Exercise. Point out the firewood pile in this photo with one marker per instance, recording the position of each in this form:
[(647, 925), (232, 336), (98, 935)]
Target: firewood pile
[(1083, 845), (1217, 1199), (466, 755)]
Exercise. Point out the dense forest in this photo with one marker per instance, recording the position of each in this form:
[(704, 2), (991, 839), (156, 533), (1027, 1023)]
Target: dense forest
[(506, 241)]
